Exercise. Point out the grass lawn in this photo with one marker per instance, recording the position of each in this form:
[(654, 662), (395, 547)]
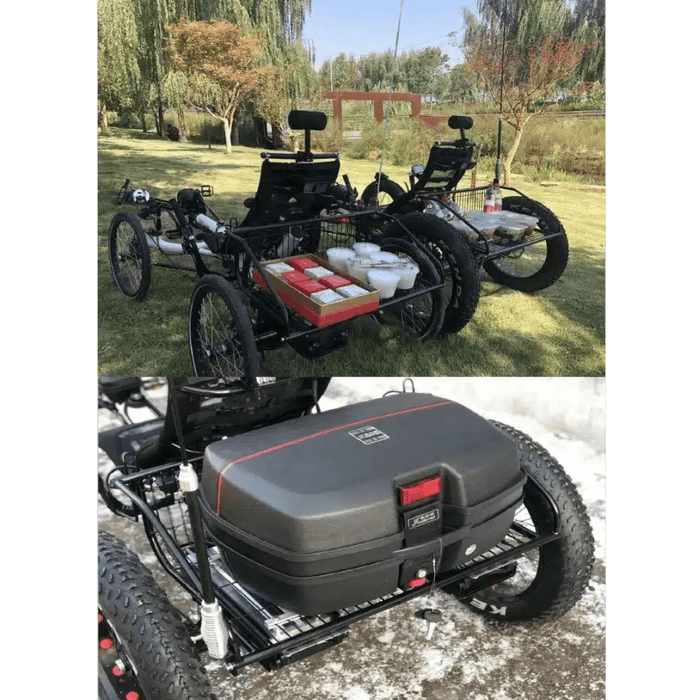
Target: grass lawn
[(557, 332)]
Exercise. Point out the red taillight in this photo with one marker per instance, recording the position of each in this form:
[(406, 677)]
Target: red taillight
[(420, 491), (132, 695), (416, 582), (106, 643)]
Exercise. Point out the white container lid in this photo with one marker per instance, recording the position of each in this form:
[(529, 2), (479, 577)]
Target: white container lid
[(364, 250), (340, 256), (384, 256)]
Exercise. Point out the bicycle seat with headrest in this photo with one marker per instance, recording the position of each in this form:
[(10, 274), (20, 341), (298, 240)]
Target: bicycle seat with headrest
[(211, 412), (294, 186), (447, 163)]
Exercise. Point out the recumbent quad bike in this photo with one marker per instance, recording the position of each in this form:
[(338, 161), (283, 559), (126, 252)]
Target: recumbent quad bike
[(523, 247), (286, 525), (236, 311)]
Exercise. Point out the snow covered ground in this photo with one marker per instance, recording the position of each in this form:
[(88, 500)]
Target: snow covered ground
[(388, 656)]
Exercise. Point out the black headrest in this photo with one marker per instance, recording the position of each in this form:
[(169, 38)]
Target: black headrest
[(300, 119), (457, 121)]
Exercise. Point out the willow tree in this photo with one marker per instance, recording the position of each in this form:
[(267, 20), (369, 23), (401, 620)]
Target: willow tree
[(520, 57), (219, 62), (120, 83)]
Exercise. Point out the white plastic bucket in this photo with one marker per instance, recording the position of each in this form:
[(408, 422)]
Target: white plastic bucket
[(384, 280), (407, 275), (339, 257), (364, 250), (358, 268)]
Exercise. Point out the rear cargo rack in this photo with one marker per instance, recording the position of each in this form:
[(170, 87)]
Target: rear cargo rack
[(265, 633)]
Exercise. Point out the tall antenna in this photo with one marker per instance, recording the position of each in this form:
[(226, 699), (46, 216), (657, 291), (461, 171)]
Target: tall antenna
[(499, 168), (391, 92)]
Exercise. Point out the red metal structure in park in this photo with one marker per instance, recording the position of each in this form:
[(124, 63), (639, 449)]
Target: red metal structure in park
[(379, 98)]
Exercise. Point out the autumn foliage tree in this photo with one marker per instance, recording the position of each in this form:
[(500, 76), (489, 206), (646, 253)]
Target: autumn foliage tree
[(220, 65), (530, 79)]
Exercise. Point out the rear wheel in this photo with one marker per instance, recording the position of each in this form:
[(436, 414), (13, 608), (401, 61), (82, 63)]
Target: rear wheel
[(129, 256), (221, 337), (420, 316), (551, 579), (461, 295), (144, 646), (387, 192), (537, 266)]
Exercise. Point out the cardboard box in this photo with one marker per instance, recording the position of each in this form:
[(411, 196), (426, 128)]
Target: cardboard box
[(321, 314)]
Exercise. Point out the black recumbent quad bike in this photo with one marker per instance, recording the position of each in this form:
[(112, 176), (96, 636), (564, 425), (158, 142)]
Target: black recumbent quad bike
[(524, 247), (287, 525), (299, 208)]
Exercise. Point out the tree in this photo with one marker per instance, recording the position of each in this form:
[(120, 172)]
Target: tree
[(220, 65), (422, 70), (528, 68), (530, 81), (281, 91)]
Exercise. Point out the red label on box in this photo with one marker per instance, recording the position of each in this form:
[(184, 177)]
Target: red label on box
[(294, 276), (302, 263), (334, 281), (307, 286)]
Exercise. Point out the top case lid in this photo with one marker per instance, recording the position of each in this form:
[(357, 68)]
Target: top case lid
[(331, 480)]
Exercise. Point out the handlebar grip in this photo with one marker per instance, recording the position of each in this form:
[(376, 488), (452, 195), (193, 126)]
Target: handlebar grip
[(178, 212)]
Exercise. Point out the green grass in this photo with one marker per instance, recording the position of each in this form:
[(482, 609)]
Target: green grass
[(557, 332)]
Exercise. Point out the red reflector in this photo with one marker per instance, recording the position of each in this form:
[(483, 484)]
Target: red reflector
[(106, 643), (415, 582), (420, 490)]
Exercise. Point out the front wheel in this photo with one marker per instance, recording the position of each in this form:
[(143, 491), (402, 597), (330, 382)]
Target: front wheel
[(551, 579), (145, 650), (129, 256), (535, 267), (221, 337)]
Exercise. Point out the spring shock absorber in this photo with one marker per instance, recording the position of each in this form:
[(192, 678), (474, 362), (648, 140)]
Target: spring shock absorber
[(214, 630)]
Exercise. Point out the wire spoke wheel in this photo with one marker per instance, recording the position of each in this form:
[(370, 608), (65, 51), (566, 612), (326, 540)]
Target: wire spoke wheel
[(221, 336), (420, 316), (461, 291), (129, 256)]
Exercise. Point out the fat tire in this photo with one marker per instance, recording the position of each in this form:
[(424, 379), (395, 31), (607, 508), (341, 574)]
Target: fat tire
[(386, 186), (429, 276), (140, 289), (149, 628), (557, 249), (565, 565), (238, 323), (462, 286)]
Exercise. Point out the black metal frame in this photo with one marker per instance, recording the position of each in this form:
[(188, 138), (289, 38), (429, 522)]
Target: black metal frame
[(239, 243), (252, 641)]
